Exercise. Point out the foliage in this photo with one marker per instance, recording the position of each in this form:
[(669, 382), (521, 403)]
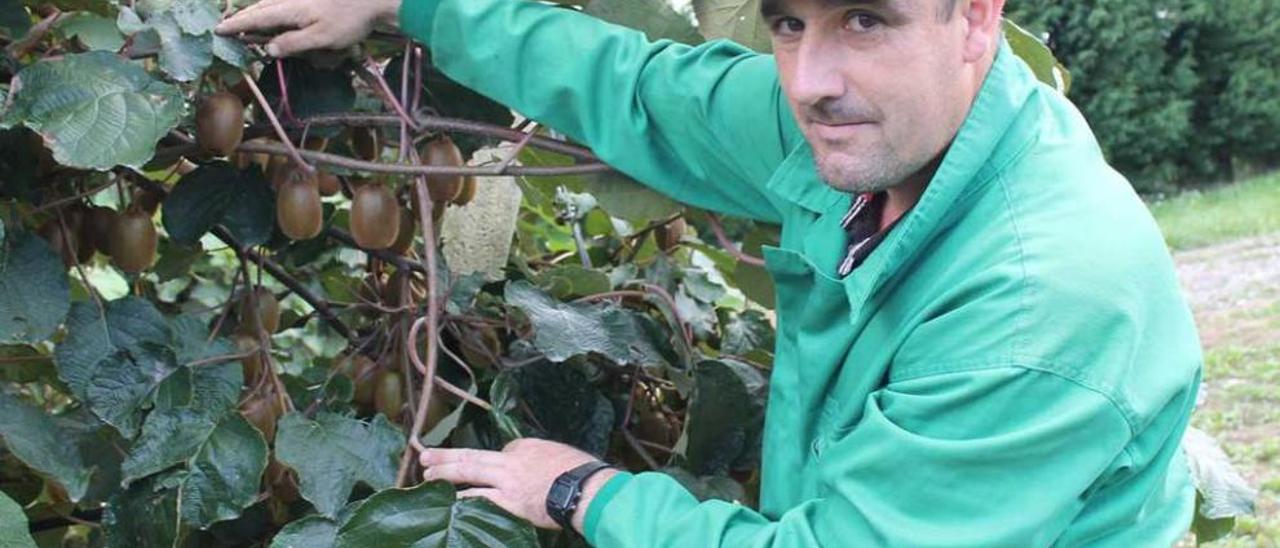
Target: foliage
[(1179, 92), (226, 385)]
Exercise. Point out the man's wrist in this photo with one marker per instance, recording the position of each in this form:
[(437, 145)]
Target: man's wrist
[(589, 490), (389, 14)]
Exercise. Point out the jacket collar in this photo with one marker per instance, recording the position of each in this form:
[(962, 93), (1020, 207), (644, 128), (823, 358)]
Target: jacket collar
[(995, 132)]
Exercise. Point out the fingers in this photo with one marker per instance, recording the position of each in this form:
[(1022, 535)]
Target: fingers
[(468, 473), (297, 41), (264, 16), (433, 457)]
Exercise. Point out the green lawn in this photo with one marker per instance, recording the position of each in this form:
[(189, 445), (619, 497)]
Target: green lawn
[(1199, 218)]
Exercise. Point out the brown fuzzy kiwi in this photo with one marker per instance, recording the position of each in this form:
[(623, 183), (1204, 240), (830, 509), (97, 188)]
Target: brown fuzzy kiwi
[(263, 411), (365, 381), (328, 183), (366, 143), (299, 211), (95, 230), (220, 123), (268, 316), (388, 396), (147, 201), (252, 363), (442, 152), (407, 229), (64, 243), (133, 241), (669, 235), (467, 193), (374, 217)]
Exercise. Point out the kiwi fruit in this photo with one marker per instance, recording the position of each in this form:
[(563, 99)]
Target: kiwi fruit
[(366, 143), (298, 209), (147, 201), (407, 229), (388, 397), (220, 123), (133, 241), (64, 243), (95, 230), (669, 235), (374, 217), (364, 379), (328, 183), (252, 363), (267, 317), (263, 411), (442, 152), (316, 144), (467, 193)]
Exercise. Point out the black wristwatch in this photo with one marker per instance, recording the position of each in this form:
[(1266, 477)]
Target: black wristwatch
[(566, 492)]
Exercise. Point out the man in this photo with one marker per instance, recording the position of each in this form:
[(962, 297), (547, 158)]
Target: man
[(981, 340)]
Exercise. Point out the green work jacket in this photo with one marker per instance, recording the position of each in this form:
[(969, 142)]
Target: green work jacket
[(1014, 365)]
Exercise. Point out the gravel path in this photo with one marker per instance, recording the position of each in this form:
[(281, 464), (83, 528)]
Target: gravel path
[(1234, 289)]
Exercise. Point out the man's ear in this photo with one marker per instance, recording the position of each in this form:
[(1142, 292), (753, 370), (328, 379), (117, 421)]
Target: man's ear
[(982, 22)]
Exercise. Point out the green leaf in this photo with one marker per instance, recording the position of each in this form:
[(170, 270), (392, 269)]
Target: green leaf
[(746, 332), (332, 453), (566, 406), (309, 532), (754, 281), (92, 336), (183, 56), (218, 193), (223, 477), (725, 418), (122, 383), (1224, 490), (94, 31), (429, 515), (191, 16), (1209, 530), (37, 440), (737, 20), (625, 198), (146, 514), (233, 52), (565, 330), (13, 525), (1037, 56), (571, 281), (34, 292), (655, 18), (14, 19), (95, 109)]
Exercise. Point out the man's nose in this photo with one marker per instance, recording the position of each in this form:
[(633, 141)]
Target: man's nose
[(817, 77)]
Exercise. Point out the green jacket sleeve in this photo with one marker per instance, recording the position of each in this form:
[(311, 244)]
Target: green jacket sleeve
[(704, 125), (1003, 456)]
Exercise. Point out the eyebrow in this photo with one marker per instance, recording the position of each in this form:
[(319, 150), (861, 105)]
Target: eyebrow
[(775, 8)]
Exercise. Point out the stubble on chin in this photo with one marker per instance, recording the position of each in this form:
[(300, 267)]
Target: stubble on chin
[(869, 173)]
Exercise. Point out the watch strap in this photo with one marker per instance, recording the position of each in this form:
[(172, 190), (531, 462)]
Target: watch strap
[(566, 492)]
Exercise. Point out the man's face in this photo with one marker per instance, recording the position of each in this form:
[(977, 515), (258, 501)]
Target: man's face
[(877, 86)]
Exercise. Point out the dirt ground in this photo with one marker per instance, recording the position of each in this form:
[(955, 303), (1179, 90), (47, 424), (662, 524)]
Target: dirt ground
[(1234, 290)]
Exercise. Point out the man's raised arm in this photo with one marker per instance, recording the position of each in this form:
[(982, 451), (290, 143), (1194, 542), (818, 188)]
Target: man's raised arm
[(706, 125)]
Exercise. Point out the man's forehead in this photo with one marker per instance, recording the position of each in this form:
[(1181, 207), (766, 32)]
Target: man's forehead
[(779, 7)]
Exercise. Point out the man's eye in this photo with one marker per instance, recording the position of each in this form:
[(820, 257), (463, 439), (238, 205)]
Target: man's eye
[(787, 26), (861, 22)]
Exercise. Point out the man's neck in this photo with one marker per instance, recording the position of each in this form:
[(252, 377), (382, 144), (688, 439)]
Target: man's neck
[(902, 197)]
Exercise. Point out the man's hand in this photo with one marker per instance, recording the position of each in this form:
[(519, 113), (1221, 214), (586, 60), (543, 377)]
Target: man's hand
[(518, 478), (312, 24)]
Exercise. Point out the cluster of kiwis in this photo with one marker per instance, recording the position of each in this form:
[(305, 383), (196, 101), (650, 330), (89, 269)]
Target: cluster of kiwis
[(77, 231)]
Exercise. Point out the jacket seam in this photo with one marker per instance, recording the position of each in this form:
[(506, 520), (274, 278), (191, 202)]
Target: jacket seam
[(1022, 362)]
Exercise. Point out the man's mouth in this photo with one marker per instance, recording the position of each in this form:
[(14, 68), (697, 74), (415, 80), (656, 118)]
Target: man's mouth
[(838, 131)]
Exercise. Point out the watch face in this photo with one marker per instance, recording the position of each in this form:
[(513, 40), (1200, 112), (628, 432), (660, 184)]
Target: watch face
[(561, 495)]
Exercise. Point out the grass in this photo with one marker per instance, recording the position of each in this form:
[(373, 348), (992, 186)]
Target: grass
[(1242, 411), (1200, 218)]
